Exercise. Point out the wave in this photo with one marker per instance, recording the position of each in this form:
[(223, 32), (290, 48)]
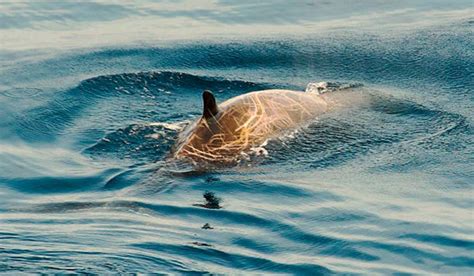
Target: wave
[(154, 235), (161, 96), (85, 186)]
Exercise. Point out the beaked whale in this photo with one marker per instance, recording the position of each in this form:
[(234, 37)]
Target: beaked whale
[(224, 132)]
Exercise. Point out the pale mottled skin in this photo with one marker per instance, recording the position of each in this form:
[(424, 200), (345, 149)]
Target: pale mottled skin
[(247, 121)]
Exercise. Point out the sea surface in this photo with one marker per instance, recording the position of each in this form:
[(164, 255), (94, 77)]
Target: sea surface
[(94, 93)]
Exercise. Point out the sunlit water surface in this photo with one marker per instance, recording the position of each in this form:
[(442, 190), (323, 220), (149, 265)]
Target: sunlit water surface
[(92, 96)]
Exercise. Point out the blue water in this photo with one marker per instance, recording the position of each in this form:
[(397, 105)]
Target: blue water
[(92, 96)]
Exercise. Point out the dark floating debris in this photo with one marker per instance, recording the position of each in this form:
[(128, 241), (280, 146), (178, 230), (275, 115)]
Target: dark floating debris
[(202, 244), (207, 226), (210, 179), (212, 202)]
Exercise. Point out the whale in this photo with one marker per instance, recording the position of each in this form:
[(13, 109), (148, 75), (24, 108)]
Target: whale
[(224, 132)]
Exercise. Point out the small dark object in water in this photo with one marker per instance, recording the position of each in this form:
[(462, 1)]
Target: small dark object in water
[(202, 244), (212, 202), (211, 179), (207, 226)]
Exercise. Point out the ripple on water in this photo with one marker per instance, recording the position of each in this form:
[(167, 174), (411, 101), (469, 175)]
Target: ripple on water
[(85, 186)]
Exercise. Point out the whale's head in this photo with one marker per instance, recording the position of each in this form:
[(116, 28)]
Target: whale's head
[(217, 136)]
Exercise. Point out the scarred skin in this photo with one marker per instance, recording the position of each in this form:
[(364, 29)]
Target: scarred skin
[(244, 122)]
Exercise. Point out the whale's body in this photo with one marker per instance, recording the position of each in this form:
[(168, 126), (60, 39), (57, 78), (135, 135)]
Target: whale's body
[(241, 123)]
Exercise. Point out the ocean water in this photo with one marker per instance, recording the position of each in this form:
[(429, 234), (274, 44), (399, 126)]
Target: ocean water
[(93, 95)]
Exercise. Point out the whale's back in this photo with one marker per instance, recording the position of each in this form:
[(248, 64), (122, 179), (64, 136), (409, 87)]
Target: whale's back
[(246, 121), (268, 112)]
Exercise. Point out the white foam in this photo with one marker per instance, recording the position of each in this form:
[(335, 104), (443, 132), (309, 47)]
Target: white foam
[(259, 151), (172, 126), (316, 87)]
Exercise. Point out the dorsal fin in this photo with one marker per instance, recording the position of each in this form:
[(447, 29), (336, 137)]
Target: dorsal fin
[(210, 106)]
